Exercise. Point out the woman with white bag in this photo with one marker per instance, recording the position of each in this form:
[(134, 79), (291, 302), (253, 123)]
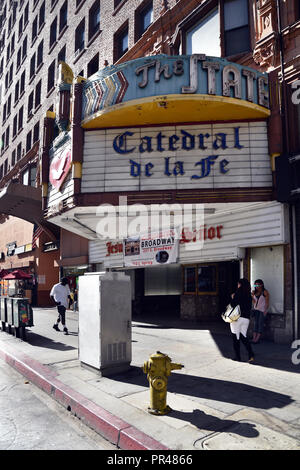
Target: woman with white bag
[(242, 297)]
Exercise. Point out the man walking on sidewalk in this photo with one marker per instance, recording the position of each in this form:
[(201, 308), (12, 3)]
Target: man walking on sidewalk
[(60, 293)]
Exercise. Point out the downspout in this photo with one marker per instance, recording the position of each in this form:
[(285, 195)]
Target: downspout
[(286, 150), (295, 274), (283, 103)]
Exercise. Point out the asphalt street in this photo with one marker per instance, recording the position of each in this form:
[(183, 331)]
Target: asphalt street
[(30, 420)]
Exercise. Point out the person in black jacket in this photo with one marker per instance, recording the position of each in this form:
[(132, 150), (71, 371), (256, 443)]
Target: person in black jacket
[(242, 297)]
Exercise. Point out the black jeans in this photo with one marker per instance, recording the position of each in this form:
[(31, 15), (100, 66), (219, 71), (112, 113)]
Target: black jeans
[(236, 346), (61, 314)]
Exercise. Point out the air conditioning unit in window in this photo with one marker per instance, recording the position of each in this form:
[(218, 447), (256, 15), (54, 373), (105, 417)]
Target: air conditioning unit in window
[(79, 50)]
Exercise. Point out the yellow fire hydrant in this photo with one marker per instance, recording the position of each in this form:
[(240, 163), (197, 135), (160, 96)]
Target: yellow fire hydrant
[(158, 368)]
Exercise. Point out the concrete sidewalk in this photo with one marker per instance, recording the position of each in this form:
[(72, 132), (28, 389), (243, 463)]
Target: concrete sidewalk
[(216, 403)]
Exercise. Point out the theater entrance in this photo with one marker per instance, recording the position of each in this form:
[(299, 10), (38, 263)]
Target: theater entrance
[(164, 293)]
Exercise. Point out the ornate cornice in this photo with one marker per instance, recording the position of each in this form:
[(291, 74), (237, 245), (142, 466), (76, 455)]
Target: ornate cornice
[(266, 51)]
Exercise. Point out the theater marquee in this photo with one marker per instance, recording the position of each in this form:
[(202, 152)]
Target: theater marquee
[(177, 157)]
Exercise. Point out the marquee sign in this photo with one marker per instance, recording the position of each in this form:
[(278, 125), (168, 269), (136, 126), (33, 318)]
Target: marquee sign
[(171, 76), (177, 157), (186, 141)]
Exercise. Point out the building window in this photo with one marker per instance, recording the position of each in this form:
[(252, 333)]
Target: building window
[(38, 90), (62, 55), (63, 17), (21, 118), (4, 114), (143, 19), (12, 44), (204, 37), (24, 50), (118, 2), (42, 15), (30, 104), (26, 14), (32, 175), (34, 28), (7, 137), (93, 65), (25, 177), (19, 151), (7, 53), (32, 66), (8, 105), (40, 54), (19, 57), (215, 28), (15, 125), (200, 279), (22, 86), (11, 69), (36, 132), (236, 27), (53, 32), (51, 76), (121, 42), (28, 141), (13, 157), (29, 175), (79, 37), (20, 26), (17, 91), (297, 10), (2, 142), (94, 19)]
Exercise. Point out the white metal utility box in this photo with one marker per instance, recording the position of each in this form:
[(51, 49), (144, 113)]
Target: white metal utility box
[(105, 321)]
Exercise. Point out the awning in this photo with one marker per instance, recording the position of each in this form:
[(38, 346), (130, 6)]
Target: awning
[(3, 273), (17, 274)]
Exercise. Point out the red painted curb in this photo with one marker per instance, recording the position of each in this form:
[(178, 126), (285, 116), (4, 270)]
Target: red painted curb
[(112, 428), (133, 439)]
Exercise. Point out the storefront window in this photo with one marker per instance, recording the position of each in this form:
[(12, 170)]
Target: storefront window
[(163, 280), (190, 279), (207, 279), (200, 279)]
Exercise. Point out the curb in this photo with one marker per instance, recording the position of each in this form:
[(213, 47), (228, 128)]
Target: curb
[(112, 428)]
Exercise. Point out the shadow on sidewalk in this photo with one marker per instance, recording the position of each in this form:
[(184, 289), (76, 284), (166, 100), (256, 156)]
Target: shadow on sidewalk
[(267, 354), (202, 420), (43, 342), (213, 389)]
